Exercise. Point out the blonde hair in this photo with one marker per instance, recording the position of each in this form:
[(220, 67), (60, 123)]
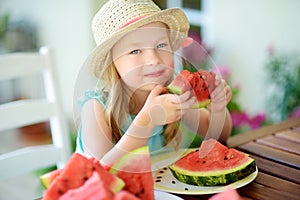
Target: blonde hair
[(118, 99)]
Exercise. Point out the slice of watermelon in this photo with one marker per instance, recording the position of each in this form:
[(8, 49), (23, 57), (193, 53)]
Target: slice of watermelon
[(134, 168), (200, 83), (93, 188), (76, 172), (213, 164)]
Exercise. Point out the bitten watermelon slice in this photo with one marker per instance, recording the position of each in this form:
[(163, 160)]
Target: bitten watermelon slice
[(93, 188), (134, 168), (213, 164), (200, 83), (76, 172)]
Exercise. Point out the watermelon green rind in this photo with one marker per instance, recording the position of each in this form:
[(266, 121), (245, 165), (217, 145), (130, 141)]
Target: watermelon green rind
[(177, 90), (174, 90), (221, 177), (45, 181), (47, 178), (201, 104)]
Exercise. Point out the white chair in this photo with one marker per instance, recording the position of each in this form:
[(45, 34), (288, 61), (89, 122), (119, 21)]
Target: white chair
[(24, 112)]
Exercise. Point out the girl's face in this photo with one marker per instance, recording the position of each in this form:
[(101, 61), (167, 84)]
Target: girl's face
[(143, 58)]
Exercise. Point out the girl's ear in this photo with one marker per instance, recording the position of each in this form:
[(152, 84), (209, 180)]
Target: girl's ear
[(187, 41)]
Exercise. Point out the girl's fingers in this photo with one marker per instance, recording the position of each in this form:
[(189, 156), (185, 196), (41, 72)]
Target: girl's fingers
[(157, 90), (187, 104), (221, 93), (177, 99)]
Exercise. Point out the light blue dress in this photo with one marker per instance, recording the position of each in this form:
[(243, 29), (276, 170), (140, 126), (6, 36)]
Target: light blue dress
[(156, 141)]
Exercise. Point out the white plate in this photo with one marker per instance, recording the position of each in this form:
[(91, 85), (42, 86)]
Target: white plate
[(165, 181), (159, 195)]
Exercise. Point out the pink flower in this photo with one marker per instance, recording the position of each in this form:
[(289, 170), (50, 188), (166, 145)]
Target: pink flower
[(296, 112), (239, 119), (242, 119), (223, 71), (257, 120)]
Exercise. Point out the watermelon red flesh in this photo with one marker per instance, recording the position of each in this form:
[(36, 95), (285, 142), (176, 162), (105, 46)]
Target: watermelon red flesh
[(76, 172), (134, 168), (200, 84), (93, 188), (213, 164)]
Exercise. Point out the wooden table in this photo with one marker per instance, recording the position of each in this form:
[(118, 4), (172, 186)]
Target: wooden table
[(276, 149)]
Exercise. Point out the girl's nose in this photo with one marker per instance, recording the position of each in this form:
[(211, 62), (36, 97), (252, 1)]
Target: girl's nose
[(153, 57)]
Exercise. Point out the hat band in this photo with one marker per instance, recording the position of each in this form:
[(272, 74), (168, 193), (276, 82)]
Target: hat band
[(131, 21)]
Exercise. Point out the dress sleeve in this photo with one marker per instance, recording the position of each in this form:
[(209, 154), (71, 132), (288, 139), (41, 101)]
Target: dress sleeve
[(91, 95)]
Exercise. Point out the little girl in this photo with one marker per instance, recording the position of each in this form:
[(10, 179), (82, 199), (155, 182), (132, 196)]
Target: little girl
[(134, 62)]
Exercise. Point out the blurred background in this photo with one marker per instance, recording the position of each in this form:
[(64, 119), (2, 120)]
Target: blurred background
[(255, 44)]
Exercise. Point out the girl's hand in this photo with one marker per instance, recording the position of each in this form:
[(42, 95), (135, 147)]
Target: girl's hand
[(220, 96), (162, 108)]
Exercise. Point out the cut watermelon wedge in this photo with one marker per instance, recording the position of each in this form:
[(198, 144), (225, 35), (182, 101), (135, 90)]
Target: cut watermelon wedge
[(134, 168), (200, 84), (213, 164), (76, 172)]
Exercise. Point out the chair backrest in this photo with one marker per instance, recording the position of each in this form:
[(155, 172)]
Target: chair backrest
[(25, 112)]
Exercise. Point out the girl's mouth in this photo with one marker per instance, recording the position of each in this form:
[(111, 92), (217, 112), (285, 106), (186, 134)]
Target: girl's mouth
[(154, 74)]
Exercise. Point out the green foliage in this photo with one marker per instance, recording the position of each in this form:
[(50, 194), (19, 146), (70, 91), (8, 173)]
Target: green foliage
[(283, 75)]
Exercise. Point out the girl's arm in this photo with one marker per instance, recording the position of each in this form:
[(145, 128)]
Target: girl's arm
[(97, 135), (157, 110)]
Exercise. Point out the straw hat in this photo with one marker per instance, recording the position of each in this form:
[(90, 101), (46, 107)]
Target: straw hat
[(118, 17)]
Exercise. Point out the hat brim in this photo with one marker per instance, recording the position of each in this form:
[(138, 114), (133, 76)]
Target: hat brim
[(174, 18)]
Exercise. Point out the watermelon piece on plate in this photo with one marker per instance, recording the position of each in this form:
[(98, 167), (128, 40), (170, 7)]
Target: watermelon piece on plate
[(213, 164), (200, 84), (93, 188), (76, 172), (134, 168)]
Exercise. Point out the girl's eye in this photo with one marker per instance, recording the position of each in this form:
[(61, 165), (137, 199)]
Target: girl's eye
[(161, 45), (136, 51)]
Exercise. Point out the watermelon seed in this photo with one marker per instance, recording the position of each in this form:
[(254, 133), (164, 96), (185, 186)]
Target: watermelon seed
[(186, 189), (142, 191), (85, 178), (225, 158), (60, 192), (203, 161)]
